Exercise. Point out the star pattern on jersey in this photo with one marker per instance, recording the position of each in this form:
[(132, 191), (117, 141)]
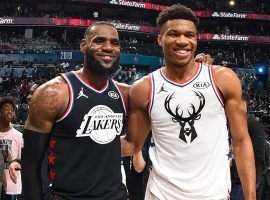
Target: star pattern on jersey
[(51, 143), (51, 159), (52, 175)]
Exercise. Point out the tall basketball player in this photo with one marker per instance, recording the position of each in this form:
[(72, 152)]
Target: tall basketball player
[(187, 105), (78, 117)]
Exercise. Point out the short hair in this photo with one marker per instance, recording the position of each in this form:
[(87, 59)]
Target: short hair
[(245, 97), (96, 24), (176, 11), (5, 100)]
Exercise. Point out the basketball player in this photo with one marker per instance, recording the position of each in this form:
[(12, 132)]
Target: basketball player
[(79, 116), (186, 105)]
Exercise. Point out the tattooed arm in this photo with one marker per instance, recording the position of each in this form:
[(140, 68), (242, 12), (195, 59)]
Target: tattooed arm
[(47, 104)]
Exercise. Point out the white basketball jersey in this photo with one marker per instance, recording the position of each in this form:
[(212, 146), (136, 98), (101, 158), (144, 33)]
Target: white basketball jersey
[(190, 151)]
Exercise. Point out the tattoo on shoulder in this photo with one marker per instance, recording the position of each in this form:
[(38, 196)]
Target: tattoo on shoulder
[(46, 106)]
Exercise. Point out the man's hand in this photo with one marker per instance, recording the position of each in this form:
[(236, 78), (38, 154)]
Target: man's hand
[(13, 170), (204, 58)]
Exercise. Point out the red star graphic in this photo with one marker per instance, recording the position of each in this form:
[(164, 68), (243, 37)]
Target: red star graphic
[(51, 159), (52, 175), (52, 143)]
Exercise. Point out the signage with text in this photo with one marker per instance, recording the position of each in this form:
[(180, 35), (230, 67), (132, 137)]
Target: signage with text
[(151, 6)]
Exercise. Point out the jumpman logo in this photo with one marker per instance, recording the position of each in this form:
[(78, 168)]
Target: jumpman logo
[(162, 89), (81, 94)]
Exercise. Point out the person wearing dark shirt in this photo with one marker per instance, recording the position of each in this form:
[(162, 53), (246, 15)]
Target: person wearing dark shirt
[(257, 135)]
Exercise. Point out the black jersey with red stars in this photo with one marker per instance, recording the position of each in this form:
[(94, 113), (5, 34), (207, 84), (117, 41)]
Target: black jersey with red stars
[(84, 154)]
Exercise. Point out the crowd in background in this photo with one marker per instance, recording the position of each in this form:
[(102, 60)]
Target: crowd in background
[(18, 86)]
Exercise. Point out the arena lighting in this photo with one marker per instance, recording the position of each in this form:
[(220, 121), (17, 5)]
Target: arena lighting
[(261, 69), (231, 2)]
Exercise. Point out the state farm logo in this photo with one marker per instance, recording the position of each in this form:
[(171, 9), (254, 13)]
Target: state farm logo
[(216, 37), (126, 26), (128, 3), (6, 21), (215, 14), (113, 2), (230, 37)]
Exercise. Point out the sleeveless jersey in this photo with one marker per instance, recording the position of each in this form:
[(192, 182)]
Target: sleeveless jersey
[(84, 153), (190, 149)]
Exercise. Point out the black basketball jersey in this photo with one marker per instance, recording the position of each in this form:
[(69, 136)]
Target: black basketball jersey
[(84, 154)]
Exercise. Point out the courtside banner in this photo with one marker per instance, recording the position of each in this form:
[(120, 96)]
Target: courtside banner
[(151, 6), (236, 38), (47, 21)]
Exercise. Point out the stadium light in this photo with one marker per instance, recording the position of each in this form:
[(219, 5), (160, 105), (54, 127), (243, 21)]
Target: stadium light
[(231, 2)]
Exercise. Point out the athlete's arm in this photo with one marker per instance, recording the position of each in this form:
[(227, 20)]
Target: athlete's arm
[(47, 104), (138, 162), (138, 125), (230, 87)]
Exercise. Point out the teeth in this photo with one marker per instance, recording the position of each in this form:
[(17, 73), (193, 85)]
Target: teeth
[(182, 51)]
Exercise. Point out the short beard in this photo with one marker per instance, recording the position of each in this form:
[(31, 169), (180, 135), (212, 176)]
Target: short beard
[(97, 68)]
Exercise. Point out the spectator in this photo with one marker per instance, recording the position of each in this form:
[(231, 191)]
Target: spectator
[(11, 143)]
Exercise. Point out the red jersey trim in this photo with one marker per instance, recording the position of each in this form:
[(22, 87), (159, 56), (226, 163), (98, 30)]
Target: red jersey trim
[(123, 100), (71, 97), (182, 84), (90, 86)]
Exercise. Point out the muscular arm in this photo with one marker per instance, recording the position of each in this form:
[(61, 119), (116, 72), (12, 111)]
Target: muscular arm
[(47, 104), (230, 87), (138, 120)]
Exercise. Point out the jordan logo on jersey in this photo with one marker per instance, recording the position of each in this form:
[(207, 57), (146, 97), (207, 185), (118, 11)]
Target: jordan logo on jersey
[(186, 123), (81, 94), (162, 89), (101, 124)]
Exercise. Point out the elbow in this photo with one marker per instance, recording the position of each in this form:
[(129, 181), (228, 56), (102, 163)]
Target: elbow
[(139, 169)]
